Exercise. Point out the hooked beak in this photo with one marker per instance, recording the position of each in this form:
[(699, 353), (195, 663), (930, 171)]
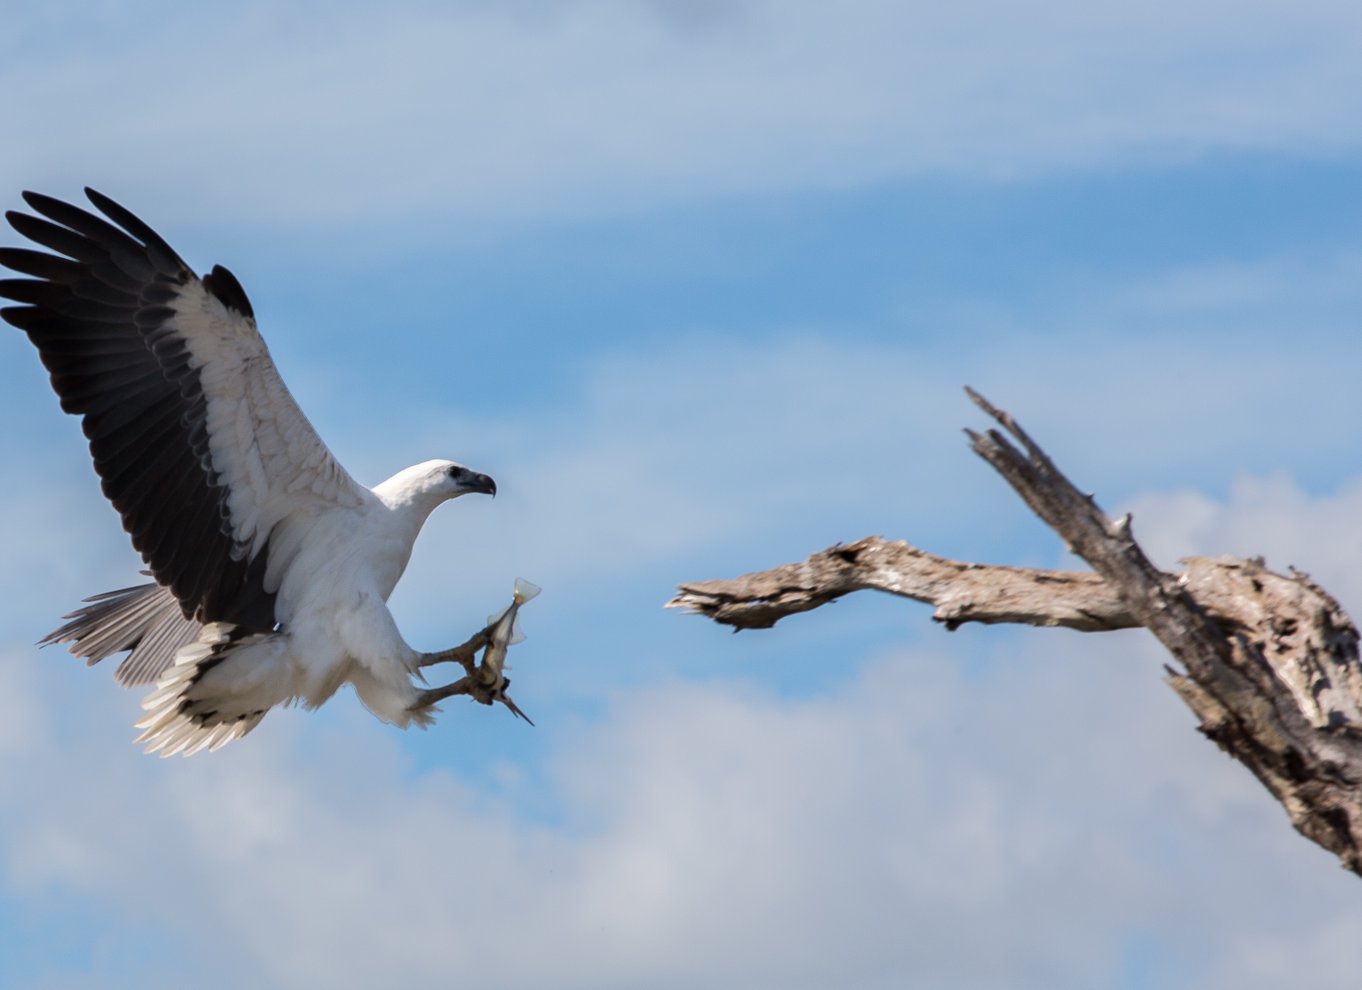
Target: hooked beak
[(481, 483)]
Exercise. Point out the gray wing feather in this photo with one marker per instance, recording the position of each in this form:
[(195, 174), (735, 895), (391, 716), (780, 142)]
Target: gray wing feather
[(146, 619)]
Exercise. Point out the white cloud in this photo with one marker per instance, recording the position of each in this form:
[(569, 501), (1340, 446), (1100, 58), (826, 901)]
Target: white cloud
[(524, 111), (921, 826), (1268, 517)]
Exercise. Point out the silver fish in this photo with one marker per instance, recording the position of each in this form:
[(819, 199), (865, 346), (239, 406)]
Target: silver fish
[(503, 631)]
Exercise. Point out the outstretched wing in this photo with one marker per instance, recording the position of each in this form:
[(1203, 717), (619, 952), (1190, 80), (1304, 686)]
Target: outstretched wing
[(197, 441)]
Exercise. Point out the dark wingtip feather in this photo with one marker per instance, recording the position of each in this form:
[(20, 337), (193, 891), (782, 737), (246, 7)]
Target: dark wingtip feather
[(46, 205), (12, 316), (115, 212), (224, 287), (158, 250)]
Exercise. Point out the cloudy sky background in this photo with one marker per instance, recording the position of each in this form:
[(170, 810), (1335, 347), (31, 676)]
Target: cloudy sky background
[(699, 282)]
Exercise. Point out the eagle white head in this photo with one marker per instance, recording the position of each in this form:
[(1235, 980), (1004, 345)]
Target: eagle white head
[(433, 482)]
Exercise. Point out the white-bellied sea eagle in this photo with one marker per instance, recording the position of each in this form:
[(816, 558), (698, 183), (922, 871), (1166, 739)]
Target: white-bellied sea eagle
[(272, 567)]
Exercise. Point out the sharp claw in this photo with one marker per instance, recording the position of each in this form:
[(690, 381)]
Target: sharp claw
[(485, 683)]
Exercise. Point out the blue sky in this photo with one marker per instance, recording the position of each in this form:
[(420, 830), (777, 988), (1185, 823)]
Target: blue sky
[(699, 282)]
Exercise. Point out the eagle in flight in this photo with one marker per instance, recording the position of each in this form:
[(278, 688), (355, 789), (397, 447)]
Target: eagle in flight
[(271, 566)]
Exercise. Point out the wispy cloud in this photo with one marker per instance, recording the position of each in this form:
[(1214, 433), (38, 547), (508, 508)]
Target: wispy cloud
[(917, 825), (710, 452), (456, 110), (1270, 517)]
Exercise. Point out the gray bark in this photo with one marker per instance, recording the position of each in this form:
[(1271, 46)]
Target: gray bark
[(1267, 662)]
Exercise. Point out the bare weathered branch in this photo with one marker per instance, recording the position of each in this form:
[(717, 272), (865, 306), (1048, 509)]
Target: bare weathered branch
[(1269, 662), (961, 592)]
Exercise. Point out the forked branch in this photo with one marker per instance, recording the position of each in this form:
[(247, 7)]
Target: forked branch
[(1267, 662)]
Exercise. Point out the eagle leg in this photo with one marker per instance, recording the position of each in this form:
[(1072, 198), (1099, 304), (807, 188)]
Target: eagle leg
[(470, 684), (465, 654)]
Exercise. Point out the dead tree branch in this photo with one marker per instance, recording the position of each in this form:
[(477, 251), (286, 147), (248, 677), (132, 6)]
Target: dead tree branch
[(961, 592), (1267, 662)]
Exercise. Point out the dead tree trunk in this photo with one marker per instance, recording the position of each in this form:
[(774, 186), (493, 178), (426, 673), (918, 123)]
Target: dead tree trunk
[(1269, 663)]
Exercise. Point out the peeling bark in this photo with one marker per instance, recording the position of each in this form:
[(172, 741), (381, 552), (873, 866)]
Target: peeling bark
[(1267, 662)]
